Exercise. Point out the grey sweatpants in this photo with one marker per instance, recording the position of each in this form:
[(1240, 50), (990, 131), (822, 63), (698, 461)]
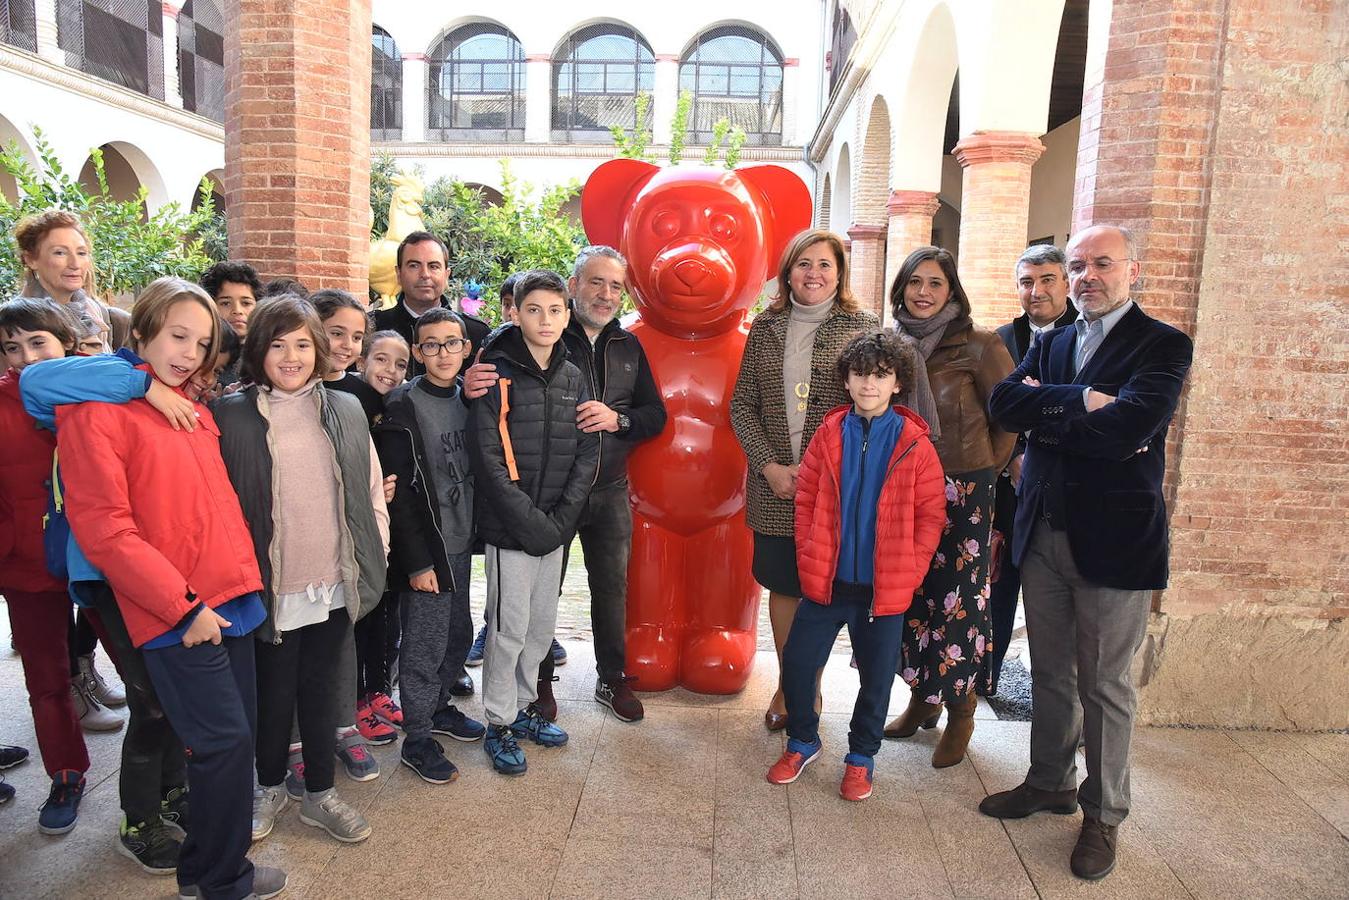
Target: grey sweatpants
[(437, 634), (521, 614)]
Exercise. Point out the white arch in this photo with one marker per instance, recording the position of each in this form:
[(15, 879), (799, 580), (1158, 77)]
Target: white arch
[(597, 20), (1006, 53), (686, 46), (460, 22), (12, 133), (919, 114), (840, 217)]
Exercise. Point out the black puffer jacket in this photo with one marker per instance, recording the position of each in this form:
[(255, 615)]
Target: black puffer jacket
[(532, 467)]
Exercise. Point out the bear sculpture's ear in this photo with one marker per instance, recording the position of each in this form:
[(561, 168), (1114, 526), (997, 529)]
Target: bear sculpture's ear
[(606, 199), (788, 206)]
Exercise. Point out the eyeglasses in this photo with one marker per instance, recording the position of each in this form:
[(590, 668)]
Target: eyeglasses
[(433, 348), (1104, 265)]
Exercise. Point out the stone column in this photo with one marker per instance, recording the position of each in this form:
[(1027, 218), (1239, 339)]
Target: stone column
[(538, 98), (911, 215), (791, 96), (173, 94), (867, 266), (995, 208), (416, 71), (297, 140), (44, 12), (664, 97)]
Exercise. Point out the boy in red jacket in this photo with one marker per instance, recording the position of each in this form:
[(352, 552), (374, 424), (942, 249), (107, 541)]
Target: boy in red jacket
[(870, 508)]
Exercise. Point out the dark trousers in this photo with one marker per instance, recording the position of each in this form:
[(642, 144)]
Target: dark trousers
[(153, 760), (437, 634), (876, 644), (605, 529), (376, 645), (299, 678), (81, 639), (1002, 600), (208, 692), (40, 624)]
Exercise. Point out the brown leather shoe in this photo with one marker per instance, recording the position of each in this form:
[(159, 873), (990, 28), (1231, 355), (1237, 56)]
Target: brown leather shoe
[(1023, 800), (920, 714), (774, 721), (955, 737), (1094, 856)]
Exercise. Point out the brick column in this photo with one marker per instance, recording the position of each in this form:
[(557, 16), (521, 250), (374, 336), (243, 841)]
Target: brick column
[(538, 98), (866, 263), (911, 215), (297, 139), (994, 214), (173, 94)]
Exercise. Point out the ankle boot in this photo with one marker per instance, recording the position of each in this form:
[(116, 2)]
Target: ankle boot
[(920, 714), (105, 693), (546, 703), (956, 736)]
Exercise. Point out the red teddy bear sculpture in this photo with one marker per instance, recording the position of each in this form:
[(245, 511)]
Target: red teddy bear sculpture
[(700, 244)]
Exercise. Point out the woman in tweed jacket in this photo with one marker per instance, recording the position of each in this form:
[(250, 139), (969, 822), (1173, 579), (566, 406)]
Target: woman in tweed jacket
[(788, 380)]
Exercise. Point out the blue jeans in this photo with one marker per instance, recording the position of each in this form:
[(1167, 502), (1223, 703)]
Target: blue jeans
[(876, 644), (209, 695)]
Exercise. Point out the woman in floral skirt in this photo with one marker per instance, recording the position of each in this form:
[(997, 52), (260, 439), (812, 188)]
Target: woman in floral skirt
[(948, 628)]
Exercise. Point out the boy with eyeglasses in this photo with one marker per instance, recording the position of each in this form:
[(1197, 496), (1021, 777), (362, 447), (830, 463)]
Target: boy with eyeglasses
[(422, 440)]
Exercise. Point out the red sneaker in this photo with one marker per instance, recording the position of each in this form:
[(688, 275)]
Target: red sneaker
[(386, 710), (794, 759), (856, 782), (372, 729)]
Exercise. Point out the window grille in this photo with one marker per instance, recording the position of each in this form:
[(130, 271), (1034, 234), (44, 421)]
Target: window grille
[(476, 86), (840, 44), (596, 78), (18, 24), (121, 41), (201, 58), (734, 73), (386, 87)]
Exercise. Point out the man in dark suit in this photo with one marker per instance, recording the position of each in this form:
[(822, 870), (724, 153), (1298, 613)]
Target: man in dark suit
[(1091, 533), (1042, 288), (423, 267)]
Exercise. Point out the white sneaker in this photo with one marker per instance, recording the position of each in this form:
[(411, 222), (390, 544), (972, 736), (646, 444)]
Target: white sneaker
[(104, 692), (93, 716), (268, 802)]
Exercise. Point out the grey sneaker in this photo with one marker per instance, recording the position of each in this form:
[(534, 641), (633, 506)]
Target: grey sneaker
[(357, 760), (267, 882), (334, 815), (267, 805)]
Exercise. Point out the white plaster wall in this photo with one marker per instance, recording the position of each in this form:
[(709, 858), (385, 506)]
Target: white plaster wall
[(1051, 184), (169, 159)]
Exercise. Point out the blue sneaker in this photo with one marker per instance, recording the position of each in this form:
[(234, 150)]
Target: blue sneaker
[(427, 759), (475, 652), (449, 721), (505, 753), (6, 792), (12, 756), (559, 653), (530, 723), (58, 814)]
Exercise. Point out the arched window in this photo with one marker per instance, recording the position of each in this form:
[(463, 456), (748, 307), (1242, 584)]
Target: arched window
[(386, 87), (18, 24), (114, 40), (201, 58), (734, 73), (476, 85), (597, 75)]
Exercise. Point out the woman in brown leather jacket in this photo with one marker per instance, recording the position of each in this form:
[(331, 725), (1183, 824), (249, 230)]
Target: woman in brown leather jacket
[(948, 627)]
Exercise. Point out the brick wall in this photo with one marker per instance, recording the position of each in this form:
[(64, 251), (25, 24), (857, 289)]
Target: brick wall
[(297, 139)]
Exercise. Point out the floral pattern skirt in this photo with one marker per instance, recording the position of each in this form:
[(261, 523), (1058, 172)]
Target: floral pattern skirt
[(948, 630)]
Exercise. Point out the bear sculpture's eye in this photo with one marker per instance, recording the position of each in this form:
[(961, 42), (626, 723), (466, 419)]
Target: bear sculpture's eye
[(723, 226), (665, 223)]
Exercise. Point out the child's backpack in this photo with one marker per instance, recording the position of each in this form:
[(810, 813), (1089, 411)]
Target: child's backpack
[(56, 527)]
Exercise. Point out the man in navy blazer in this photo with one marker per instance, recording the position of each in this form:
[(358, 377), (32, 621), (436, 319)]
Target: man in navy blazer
[(1096, 398)]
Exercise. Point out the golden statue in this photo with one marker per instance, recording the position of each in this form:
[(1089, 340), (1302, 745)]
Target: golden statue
[(405, 217)]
